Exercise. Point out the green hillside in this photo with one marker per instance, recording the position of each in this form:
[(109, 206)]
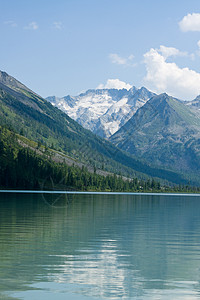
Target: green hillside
[(164, 132), (26, 167), (26, 113)]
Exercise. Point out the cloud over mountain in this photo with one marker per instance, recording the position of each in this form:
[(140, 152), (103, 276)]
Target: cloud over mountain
[(163, 76), (114, 84)]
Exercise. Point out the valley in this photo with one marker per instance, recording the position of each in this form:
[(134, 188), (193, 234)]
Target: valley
[(41, 124)]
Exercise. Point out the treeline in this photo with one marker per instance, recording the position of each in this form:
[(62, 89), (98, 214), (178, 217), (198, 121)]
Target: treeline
[(23, 168)]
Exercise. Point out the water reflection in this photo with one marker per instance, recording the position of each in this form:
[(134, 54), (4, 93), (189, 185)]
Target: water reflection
[(138, 247)]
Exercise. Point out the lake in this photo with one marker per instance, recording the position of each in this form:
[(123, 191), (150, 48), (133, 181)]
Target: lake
[(99, 246)]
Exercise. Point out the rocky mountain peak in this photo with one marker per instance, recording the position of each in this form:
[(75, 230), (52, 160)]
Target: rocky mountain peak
[(195, 103), (10, 81), (103, 111)]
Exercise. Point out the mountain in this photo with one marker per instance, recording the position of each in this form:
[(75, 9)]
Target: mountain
[(27, 113), (164, 132), (24, 112), (195, 104), (103, 111), (26, 165), (9, 83)]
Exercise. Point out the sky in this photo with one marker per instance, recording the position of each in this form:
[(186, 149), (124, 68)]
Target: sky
[(65, 47)]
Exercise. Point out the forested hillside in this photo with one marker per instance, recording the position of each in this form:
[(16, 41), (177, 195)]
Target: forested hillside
[(25, 168), (29, 115), (164, 132)]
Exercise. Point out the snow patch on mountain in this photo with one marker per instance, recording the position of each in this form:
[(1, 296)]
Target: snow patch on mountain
[(103, 111)]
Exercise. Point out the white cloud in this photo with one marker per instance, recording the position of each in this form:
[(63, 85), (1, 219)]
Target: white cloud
[(116, 59), (191, 22), (170, 51), (57, 25), (131, 57), (115, 84), (10, 23), (32, 26), (163, 76)]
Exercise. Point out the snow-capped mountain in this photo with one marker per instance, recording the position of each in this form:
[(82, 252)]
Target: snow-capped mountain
[(195, 104), (103, 111)]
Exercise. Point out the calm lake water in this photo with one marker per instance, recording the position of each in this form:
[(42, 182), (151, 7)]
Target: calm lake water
[(74, 246)]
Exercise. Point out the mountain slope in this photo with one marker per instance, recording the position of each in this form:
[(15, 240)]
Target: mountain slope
[(25, 165), (194, 105), (103, 111), (30, 115), (164, 132)]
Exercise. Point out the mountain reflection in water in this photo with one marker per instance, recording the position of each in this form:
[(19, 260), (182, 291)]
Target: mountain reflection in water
[(104, 246)]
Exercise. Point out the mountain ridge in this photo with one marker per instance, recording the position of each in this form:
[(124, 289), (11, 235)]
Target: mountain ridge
[(103, 111), (35, 118), (165, 132)]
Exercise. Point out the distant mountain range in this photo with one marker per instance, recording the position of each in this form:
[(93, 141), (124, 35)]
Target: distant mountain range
[(103, 111), (162, 130), (147, 134), (35, 119)]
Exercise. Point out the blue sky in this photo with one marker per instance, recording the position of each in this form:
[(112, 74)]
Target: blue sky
[(66, 46)]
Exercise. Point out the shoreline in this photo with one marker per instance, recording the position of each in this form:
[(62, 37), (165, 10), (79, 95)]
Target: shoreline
[(99, 193)]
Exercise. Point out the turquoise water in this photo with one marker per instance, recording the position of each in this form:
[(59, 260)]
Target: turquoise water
[(99, 246)]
